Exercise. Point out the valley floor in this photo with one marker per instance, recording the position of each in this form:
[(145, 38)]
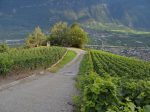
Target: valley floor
[(48, 93)]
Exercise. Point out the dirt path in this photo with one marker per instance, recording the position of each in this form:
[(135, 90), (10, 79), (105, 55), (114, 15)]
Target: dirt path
[(48, 93)]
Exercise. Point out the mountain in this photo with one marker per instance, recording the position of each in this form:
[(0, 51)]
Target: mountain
[(19, 17)]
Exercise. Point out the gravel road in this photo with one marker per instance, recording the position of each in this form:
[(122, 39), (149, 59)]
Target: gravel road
[(47, 93)]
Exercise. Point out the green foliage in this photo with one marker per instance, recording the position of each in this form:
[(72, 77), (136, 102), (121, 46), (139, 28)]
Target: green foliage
[(86, 68), (63, 35), (136, 91), (120, 84), (99, 94), (58, 34), (4, 48), (37, 38), (22, 59), (147, 108), (116, 65), (77, 36), (5, 64)]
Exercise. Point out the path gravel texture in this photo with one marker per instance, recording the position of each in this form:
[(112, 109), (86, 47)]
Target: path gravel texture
[(47, 93)]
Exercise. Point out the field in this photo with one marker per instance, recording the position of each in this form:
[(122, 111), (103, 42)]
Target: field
[(29, 59), (113, 83)]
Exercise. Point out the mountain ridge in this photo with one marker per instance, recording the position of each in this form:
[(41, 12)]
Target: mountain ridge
[(19, 16)]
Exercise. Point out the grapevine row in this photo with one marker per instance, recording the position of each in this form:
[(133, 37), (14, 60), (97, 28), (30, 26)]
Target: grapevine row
[(22, 59)]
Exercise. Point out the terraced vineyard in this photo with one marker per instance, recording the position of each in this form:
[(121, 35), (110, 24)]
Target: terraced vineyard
[(29, 59), (107, 63), (113, 83)]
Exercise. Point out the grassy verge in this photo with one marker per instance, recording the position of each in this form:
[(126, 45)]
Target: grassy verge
[(67, 58)]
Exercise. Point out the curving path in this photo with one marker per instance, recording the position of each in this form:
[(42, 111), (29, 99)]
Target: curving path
[(47, 93)]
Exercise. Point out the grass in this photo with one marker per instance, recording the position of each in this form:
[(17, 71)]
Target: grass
[(67, 58)]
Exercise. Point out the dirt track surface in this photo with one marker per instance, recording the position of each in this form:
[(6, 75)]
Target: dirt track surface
[(47, 93)]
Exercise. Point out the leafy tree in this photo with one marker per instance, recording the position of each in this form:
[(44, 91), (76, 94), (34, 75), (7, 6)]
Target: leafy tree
[(4, 48), (78, 37), (37, 38), (63, 35), (59, 34)]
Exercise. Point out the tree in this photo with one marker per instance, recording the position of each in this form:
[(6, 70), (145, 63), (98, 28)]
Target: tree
[(4, 48), (37, 38), (63, 35), (59, 34), (78, 37)]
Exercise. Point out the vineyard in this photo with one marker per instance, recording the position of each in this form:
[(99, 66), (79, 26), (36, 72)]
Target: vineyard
[(113, 83), (29, 59)]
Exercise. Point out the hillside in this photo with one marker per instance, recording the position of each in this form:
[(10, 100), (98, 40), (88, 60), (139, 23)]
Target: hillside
[(42, 91), (16, 60), (19, 17)]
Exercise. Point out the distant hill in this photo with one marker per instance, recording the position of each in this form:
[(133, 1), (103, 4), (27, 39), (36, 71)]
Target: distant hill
[(19, 17)]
